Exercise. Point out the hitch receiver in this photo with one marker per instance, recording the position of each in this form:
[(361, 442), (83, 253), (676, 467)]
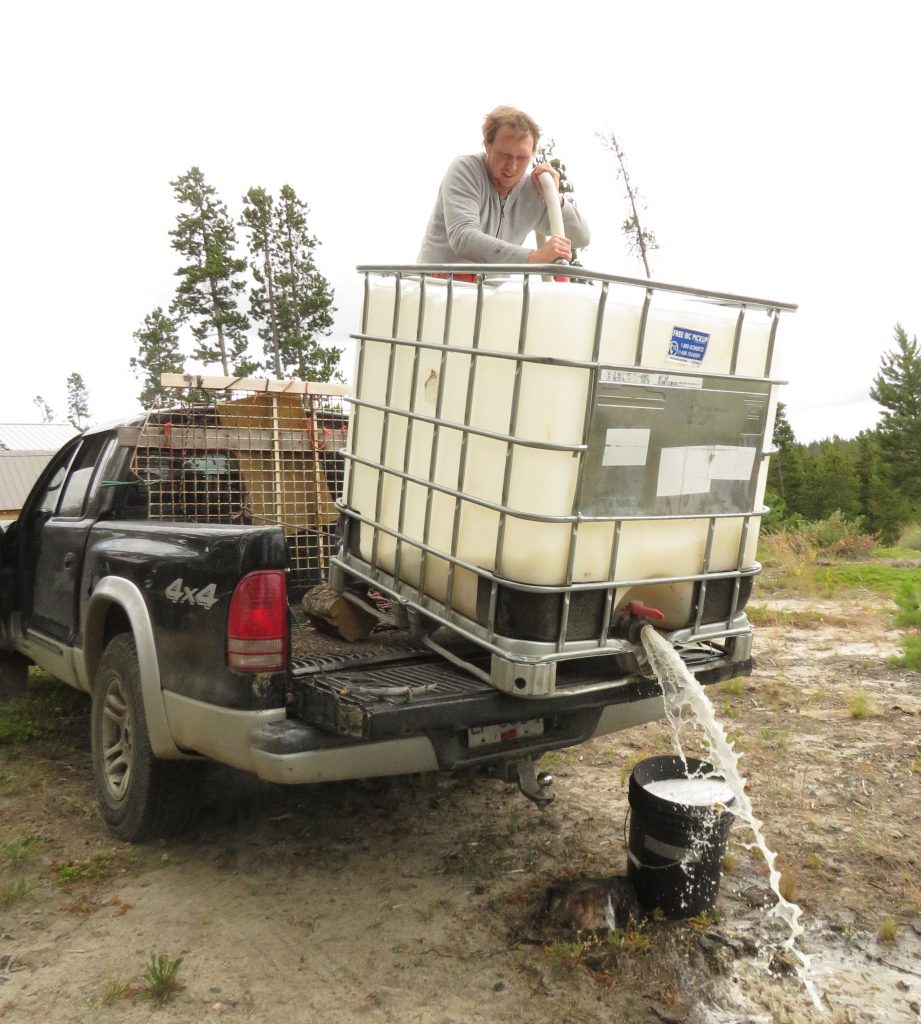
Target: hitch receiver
[(536, 787)]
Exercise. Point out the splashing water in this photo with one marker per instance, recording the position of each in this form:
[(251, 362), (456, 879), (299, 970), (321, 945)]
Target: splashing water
[(685, 701)]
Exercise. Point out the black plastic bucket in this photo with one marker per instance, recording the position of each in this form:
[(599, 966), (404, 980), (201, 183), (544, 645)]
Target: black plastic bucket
[(675, 850)]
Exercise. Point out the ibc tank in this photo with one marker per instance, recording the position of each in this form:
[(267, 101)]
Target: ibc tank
[(552, 369)]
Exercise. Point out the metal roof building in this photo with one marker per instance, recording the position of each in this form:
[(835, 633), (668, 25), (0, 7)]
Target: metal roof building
[(34, 437), (25, 449), (18, 471)]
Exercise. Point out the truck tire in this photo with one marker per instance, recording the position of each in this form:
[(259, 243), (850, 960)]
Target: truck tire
[(140, 796), (14, 673)]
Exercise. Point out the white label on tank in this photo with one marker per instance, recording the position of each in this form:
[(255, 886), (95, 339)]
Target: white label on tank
[(691, 470), (650, 378), (625, 447), (732, 462)]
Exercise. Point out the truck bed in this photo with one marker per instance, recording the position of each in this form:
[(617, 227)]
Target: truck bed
[(392, 685)]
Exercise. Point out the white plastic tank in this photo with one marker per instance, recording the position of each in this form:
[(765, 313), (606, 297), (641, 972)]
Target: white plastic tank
[(561, 323)]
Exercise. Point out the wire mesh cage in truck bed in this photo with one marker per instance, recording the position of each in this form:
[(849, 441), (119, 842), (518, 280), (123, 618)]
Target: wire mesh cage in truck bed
[(231, 450), (529, 458)]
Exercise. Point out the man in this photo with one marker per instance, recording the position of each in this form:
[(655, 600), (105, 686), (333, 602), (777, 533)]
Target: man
[(488, 203)]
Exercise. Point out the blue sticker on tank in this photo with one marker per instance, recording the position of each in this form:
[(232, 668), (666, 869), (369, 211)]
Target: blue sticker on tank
[(688, 346)]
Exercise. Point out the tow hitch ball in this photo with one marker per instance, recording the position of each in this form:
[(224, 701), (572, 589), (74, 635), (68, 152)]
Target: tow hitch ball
[(536, 786)]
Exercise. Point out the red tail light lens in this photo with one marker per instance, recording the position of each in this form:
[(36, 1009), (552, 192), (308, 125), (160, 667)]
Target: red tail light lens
[(257, 627)]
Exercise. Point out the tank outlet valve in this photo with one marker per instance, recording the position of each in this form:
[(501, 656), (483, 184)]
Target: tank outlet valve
[(631, 618)]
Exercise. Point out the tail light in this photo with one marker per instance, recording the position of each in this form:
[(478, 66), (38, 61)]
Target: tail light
[(257, 627)]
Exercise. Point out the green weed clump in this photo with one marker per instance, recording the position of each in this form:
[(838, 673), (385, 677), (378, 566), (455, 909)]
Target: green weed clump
[(160, 975), (19, 850), (12, 892), (888, 930), (860, 704)]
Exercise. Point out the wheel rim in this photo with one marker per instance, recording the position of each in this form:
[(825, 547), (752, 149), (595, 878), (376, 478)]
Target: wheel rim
[(116, 739)]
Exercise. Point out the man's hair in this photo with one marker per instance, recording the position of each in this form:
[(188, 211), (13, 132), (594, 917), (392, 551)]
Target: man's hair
[(509, 117)]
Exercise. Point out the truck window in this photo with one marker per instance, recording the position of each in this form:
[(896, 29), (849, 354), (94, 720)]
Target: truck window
[(49, 500), (75, 490)]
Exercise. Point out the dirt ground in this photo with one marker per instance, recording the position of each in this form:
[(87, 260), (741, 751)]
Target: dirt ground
[(422, 899)]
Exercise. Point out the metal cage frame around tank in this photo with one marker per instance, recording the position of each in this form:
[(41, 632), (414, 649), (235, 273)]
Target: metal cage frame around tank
[(527, 668)]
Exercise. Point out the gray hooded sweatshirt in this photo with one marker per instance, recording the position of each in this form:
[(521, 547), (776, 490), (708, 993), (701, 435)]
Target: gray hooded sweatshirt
[(470, 224)]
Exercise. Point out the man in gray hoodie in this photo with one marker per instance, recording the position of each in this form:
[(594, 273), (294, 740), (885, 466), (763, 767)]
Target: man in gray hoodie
[(488, 203)]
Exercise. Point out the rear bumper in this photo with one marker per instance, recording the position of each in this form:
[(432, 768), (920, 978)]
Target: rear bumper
[(292, 753)]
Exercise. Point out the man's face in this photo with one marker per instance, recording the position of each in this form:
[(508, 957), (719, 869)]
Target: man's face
[(508, 157)]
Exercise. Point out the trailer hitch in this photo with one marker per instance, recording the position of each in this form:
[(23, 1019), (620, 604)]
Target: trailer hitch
[(536, 786)]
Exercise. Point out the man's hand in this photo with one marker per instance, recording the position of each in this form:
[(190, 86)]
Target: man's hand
[(555, 248), (546, 169)]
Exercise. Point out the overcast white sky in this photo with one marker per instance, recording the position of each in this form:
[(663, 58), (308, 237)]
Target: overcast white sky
[(777, 146)]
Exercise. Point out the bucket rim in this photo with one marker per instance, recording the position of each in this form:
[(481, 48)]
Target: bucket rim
[(657, 768)]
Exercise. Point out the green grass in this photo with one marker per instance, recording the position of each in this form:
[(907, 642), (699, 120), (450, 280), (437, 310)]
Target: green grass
[(42, 712), (118, 988), (876, 576), (12, 892)]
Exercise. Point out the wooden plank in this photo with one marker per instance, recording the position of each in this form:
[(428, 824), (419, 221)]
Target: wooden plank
[(254, 439), (258, 384)]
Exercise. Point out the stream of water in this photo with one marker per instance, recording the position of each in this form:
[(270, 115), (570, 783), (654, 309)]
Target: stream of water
[(687, 704)]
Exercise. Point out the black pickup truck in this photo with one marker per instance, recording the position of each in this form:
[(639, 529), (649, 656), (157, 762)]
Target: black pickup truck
[(184, 629)]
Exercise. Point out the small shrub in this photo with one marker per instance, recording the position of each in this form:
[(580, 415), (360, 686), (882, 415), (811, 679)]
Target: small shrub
[(160, 975), (18, 850), (837, 537), (734, 685), (887, 930), (911, 537), (859, 704)]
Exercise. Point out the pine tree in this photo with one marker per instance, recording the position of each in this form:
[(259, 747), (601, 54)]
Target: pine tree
[(259, 221), (304, 298), (786, 471), (212, 276), (78, 408), (640, 240), (884, 508), (835, 485), (897, 388), (158, 352)]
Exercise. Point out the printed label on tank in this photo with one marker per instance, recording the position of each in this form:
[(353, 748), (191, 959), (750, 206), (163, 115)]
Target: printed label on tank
[(688, 346), (650, 378)]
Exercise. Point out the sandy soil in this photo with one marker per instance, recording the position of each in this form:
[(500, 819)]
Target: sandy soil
[(422, 899)]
